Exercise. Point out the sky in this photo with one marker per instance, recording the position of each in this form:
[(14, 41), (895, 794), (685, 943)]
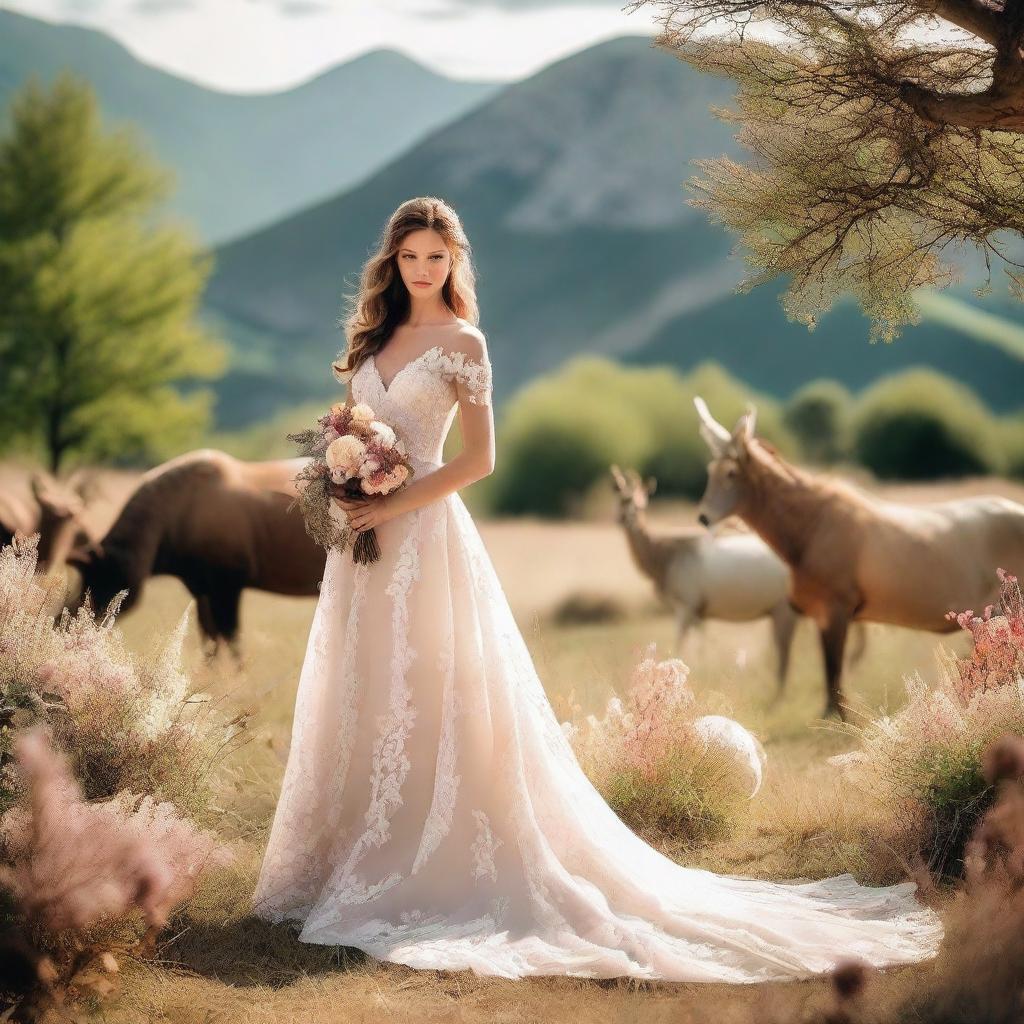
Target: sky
[(266, 45)]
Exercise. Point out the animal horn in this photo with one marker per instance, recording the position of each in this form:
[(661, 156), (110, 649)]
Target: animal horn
[(716, 436)]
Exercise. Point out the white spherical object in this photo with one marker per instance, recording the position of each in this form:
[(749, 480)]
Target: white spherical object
[(730, 735)]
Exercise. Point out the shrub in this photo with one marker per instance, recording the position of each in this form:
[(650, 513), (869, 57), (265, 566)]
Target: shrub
[(977, 974), (930, 752), (557, 439), (95, 836), (75, 863), (919, 425), (588, 606), (82, 876), (819, 417), (126, 722), (669, 775)]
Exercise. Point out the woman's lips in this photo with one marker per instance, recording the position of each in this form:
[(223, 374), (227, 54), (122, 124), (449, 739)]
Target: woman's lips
[(422, 284)]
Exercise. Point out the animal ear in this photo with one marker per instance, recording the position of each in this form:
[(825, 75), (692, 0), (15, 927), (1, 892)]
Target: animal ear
[(618, 480), (651, 484), (715, 435), (745, 425)]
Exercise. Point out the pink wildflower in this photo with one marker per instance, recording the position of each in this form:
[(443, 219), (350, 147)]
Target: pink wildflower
[(76, 862)]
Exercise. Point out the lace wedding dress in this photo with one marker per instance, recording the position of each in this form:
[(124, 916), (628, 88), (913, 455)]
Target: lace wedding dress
[(432, 811)]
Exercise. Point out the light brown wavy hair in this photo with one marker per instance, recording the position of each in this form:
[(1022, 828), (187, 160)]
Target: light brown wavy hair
[(382, 302)]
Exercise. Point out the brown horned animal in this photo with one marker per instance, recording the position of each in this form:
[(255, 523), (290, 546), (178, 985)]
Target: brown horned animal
[(855, 557), (217, 523)]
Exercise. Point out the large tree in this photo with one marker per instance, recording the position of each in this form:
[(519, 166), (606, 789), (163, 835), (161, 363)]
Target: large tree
[(97, 302), (884, 131)]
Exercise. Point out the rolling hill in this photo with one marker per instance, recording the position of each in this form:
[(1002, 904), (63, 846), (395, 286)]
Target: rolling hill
[(246, 160)]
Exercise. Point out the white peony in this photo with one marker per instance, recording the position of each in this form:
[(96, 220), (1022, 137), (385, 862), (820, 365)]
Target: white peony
[(345, 452), (383, 433), (362, 413)]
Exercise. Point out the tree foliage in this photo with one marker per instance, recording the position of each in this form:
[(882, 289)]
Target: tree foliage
[(887, 134), (919, 425), (96, 304), (818, 414)]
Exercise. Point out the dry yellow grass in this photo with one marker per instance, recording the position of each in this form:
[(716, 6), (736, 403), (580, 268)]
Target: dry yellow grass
[(218, 966), (221, 966)]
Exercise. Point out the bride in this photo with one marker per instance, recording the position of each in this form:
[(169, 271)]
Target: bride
[(432, 811)]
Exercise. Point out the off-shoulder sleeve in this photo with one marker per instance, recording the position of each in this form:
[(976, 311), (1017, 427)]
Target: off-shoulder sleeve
[(470, 367)]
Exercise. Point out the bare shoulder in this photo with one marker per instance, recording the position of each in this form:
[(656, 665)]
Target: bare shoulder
[(470, 341)]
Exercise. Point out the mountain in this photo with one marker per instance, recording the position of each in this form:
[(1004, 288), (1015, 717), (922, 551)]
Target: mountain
[(246, 160), (570, 186)]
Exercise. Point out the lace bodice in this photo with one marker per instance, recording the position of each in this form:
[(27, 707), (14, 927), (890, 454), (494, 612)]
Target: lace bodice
[(421, 400)]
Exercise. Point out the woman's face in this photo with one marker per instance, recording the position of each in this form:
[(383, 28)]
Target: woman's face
[(424, 262)]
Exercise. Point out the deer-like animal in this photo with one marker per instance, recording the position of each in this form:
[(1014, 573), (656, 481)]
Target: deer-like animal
[(54, 511), (855, 557), (735, 577)]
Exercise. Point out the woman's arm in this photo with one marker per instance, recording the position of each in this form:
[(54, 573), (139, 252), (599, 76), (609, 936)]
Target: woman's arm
[(476, 460)]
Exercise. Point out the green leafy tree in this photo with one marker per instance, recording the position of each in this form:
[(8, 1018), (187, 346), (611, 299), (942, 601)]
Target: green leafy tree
[(920, 425), (883, 131), (97, 303)]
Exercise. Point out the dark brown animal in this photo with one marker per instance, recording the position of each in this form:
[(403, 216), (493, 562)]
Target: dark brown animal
[(218, 524)]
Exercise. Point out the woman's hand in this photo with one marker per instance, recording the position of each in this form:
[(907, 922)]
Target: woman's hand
[(362, 513)]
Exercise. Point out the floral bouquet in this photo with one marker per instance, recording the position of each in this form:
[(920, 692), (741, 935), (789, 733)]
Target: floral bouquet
[(353, 450)]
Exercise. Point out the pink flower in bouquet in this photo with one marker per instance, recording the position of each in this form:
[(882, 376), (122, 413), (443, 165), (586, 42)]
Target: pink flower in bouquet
[(362, 414), (384, 481), (357, 453)]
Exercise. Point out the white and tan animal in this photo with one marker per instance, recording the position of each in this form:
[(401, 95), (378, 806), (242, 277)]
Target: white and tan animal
[(854, 557), (735, 577)]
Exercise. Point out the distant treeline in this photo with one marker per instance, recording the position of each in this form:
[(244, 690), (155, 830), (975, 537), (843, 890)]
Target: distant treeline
[(558, 435)]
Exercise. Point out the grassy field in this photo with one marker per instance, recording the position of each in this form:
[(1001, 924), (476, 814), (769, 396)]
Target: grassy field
[(216, 964)]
